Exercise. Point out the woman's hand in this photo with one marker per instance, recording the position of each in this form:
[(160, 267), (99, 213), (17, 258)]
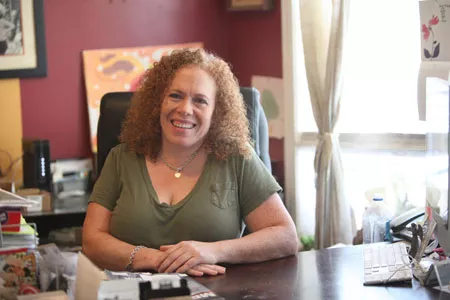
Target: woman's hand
[(185, 256), (206, 269)]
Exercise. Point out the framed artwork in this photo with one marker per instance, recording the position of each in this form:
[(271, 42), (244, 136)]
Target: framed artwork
[(22, 39), (241, 5)]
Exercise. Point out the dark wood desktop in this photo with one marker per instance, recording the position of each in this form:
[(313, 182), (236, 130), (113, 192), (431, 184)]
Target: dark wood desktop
[(326, 274)]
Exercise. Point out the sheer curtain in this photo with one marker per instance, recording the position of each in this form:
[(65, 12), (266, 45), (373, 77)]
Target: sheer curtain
[(323, 27)]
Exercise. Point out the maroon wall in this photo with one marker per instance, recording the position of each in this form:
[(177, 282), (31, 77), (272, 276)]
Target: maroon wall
[(54, 107), (254, 40), (255, 48)]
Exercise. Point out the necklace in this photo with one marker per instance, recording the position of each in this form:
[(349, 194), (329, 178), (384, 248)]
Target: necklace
[(184, 165)]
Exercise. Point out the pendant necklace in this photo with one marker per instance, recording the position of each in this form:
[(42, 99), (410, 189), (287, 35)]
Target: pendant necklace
[(184, 165)]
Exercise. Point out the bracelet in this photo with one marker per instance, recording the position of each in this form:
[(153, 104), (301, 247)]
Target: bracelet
[(129, 267)]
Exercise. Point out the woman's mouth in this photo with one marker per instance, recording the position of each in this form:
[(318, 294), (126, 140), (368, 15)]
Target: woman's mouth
[(182, 125)]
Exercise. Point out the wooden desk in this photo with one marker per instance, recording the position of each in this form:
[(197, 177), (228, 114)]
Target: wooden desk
[(325, 274)]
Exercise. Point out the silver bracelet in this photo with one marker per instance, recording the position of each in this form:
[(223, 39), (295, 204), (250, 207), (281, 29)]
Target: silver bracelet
[(129, 267)]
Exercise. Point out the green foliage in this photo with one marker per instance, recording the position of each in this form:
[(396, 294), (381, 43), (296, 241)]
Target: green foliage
[(308, 242)]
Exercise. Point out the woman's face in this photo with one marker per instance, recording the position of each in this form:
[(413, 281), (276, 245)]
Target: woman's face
[(187, 108)]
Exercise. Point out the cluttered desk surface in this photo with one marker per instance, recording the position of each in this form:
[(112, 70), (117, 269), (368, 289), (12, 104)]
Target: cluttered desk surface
[(326, 274)]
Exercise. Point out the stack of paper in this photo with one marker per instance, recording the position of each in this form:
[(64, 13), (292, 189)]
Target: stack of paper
[(8, 199), (26, 237)]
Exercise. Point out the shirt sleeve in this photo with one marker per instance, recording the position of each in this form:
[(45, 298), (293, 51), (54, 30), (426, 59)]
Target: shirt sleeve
[(256, 183), (107, 187)]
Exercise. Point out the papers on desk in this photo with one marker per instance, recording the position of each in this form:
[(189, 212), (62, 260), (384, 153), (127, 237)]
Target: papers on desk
[(197, 290), (92, 283)]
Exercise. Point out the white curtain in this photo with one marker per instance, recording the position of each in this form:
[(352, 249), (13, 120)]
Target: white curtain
[(323, 26)]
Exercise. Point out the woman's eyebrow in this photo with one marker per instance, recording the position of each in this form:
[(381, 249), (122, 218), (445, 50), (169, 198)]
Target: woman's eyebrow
[(176, 91), (201, 96)]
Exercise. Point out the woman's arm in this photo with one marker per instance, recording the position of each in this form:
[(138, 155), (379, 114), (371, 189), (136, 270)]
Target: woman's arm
[(108, 252), (273, 236)]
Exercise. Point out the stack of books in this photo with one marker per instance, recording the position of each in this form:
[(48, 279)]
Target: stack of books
[(14, 231), (18, 243)]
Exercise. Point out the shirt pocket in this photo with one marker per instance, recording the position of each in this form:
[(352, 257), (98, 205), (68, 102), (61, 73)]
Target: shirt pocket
[(224, 194)]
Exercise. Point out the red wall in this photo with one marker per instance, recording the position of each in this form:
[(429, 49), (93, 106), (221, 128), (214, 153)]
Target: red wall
[(255, 48), (255, 43), (54, 107)]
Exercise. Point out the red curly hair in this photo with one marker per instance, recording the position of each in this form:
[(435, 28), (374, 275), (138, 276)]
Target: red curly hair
[(229, 133)]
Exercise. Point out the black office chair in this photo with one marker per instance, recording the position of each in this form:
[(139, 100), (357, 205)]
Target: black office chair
[(114, 106)]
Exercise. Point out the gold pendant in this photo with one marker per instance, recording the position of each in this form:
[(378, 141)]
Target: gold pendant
[(177, 174)]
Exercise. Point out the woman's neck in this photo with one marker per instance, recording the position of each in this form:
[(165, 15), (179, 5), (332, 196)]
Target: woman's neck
[(179, 155)]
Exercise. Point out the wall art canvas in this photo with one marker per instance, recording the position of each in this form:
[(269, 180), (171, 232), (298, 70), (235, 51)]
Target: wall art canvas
[(435, 30), (117, 70), (271, 91)]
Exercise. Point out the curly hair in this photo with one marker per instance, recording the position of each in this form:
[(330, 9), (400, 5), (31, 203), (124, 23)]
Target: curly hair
[(229, 132)]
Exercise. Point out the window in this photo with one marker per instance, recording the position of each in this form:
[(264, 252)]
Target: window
[(383, 142)]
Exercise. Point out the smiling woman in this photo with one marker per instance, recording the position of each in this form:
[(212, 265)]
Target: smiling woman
[(174, 195)]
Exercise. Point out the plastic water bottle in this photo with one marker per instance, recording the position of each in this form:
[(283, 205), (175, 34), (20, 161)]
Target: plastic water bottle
[(374, 220)]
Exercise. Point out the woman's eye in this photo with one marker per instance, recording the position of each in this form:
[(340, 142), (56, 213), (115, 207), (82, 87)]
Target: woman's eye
[(175, 96), (201, 101)]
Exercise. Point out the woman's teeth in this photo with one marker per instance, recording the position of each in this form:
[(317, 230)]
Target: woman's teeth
[(183, 125)]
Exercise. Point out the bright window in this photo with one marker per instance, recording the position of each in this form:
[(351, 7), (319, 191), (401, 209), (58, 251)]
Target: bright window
[(383, 142)]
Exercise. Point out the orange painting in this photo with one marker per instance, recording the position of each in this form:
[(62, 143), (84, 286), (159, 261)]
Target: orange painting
[(117, 70)]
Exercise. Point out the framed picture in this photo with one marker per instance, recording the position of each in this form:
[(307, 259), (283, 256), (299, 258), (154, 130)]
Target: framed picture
[(22, 39), (241, 5)]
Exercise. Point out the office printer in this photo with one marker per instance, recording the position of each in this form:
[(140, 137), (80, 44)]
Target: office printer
[(71, 177)]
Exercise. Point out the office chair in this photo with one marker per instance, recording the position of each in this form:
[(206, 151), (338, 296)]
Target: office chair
[(114, 106)]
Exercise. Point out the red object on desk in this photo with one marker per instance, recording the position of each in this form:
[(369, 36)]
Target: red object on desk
[(441, 253), (10, 218)]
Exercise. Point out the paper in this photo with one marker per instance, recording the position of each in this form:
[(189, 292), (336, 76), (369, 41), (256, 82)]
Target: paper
[(271, 90), (198, 291), (18, 269), (435, 30), (118, 290), (88, 279), (435, 48), (8, 199)]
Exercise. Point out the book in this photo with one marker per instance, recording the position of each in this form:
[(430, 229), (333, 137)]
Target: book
[(18, 270)]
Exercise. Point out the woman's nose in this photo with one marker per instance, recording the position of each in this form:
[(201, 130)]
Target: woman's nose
[(185, 106)]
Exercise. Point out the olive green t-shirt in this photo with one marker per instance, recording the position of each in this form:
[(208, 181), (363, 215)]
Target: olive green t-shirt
[(226, 192)]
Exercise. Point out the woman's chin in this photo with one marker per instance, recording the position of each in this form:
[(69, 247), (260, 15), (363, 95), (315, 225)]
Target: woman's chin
[(184, 143)]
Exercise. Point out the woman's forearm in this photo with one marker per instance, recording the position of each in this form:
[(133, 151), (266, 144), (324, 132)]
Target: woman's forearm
[(265, 244), (107, 252)]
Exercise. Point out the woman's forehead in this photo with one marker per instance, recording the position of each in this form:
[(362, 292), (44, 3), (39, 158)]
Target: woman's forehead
[(194, 79)]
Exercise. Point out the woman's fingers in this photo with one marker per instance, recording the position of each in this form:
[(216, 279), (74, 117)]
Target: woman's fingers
[(194, 273), (189, 264), (174, 261), (209, 269)]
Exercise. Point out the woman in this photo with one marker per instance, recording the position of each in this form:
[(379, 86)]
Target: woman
[(173, 195)]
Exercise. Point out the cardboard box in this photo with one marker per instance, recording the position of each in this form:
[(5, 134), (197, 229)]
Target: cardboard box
[(44, 199)]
